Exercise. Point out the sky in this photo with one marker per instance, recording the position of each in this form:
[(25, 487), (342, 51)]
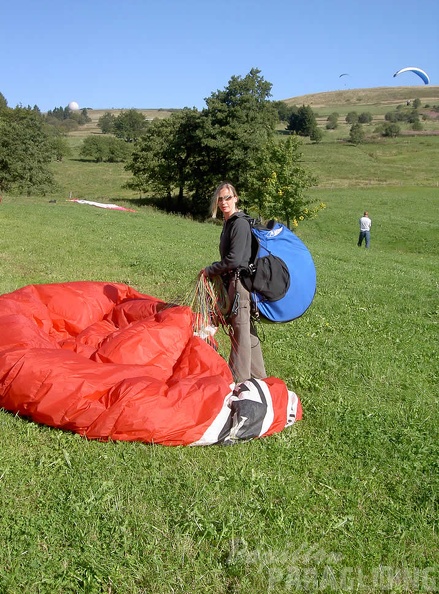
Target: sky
[(107, 54)]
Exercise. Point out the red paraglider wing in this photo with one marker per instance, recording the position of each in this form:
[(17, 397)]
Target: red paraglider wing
[(108, 362)]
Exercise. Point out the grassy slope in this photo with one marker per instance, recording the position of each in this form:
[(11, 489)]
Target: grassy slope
[(350, 489), (380, 96)]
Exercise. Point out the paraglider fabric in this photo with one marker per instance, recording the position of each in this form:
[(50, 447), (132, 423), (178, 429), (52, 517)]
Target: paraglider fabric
[(101, 205), (421, 73), (108, 362)]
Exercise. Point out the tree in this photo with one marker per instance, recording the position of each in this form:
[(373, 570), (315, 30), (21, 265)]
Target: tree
[(190, 152), (356, 133), (167, 156), (282, 189), (60, 146), (413, 116), (332, 121), (3, 102), (81, 117), (352, 117), (148, 164), (391, 130), (284, 111), (239, 122), (106, 123), (130, 124), (302, 122), (65, 113), (26, 149), (391, 116), (365, 117), (105, 148), (316, 135)]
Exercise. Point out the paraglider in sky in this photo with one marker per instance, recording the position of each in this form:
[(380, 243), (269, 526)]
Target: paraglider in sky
[(73, 105), (344, 74), (421, 73)]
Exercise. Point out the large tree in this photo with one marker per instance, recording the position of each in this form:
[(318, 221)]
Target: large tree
[(231, 139), (26, 149), (193, 151), (166, 158), (240, 121)]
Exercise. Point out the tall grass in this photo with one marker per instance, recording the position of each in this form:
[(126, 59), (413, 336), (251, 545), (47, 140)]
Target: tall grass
[(345, 500)]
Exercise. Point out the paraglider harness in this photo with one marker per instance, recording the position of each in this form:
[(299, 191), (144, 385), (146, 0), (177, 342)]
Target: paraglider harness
[(280, 277), (267, 277)]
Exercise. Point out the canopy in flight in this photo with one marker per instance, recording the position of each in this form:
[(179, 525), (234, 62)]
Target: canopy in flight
[(421, 73), (108, 362)]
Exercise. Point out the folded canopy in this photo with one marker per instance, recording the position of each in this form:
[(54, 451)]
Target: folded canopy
[(108, 362)]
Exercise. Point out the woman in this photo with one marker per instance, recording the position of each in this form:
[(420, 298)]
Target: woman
[(246, 358)]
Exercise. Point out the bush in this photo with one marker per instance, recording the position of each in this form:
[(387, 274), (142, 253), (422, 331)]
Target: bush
[(365, 117), (105, 148), (352, 117), (332, 121), (391, 130), (316, 135), (356, 134)]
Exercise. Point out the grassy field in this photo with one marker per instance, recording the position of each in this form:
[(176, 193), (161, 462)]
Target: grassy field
[(345, 500)]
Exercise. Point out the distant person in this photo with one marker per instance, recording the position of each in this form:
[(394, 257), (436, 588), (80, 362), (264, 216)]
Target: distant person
[(365, 225)]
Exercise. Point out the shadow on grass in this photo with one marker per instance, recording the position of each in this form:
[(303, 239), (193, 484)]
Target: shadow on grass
[(168, 204)]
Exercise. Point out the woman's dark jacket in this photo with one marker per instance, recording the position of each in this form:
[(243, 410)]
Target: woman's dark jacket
[(235, 246)]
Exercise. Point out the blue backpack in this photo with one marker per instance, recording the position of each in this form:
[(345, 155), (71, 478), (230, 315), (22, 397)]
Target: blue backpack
[(282, 275)]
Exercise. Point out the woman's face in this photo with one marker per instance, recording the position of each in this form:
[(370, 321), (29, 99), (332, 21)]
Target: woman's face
[(227, 202)]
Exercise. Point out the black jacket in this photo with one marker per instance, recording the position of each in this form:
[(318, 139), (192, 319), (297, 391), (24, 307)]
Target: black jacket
[(235, 245)]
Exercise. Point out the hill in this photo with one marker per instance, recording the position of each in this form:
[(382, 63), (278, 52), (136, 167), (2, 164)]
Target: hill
[(377, 100), (386, 96)]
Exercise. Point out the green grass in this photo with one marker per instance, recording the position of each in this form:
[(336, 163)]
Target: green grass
[(346, 498), (396, 162)]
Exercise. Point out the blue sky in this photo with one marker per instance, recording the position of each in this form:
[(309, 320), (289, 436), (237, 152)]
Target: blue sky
[(169, 53)]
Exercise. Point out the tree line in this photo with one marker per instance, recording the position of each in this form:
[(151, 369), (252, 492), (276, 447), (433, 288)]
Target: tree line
[(29, 142), (181, 158)]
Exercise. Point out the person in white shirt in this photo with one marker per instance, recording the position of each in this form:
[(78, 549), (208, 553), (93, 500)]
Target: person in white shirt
[(365, 225)]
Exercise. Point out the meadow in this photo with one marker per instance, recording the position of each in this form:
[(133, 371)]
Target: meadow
[(345, 500)]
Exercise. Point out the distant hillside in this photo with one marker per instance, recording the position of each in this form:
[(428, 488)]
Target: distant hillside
[(95, 114), (378, 100), (374, 96)]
